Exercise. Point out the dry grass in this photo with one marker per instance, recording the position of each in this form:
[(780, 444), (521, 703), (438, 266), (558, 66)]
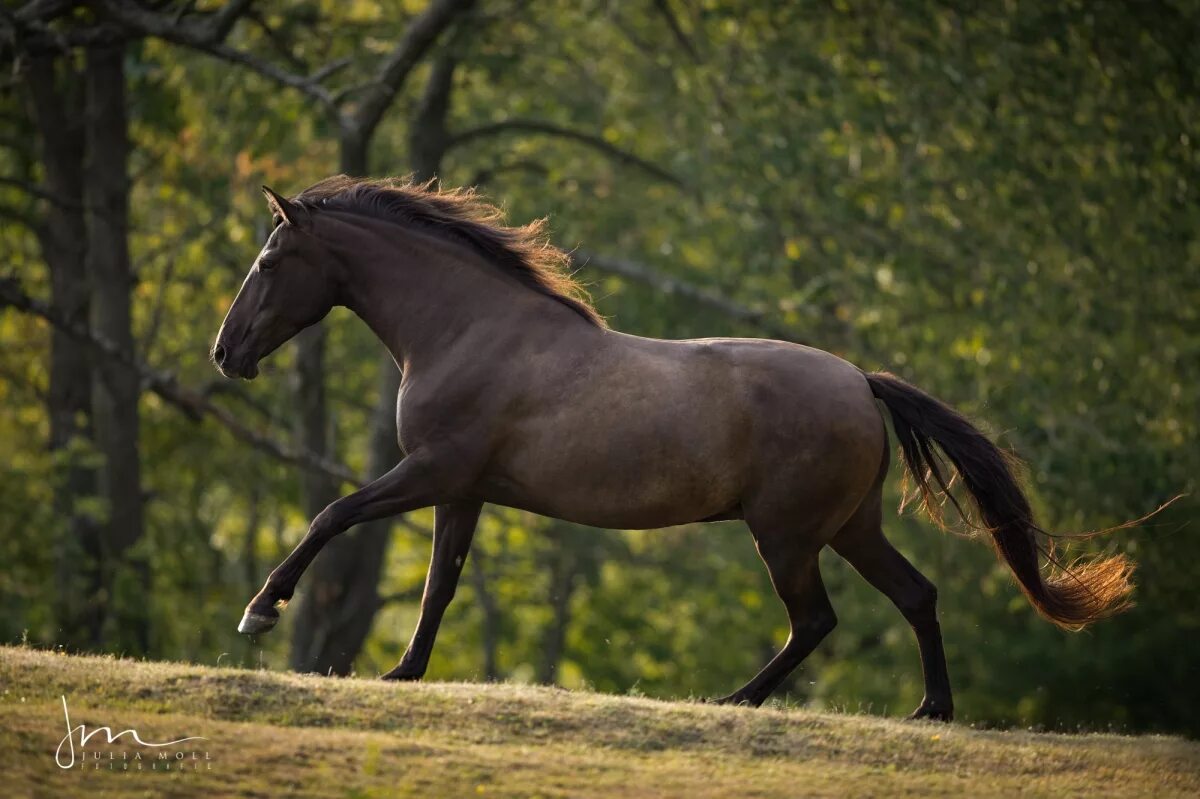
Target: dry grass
[(287, 735)]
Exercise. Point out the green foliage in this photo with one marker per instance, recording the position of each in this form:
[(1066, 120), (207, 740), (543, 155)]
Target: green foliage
[(1000, 205)]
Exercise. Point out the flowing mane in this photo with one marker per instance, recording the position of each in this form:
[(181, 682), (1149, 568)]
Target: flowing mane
[(462, 215)]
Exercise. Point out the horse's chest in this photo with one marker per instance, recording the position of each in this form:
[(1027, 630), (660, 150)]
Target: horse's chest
[(411, 423), (425, 415), (410, 426)]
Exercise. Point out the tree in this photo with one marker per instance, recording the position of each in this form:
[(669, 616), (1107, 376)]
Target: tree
[(85, 242), (115, 391), (61, 233)]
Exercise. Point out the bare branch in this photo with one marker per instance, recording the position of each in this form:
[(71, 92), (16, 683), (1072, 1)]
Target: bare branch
[(193, 404), (282, 47), (308, 85), (212, 28), (664, 9), (208, 35), (528, 165), (667, 284), (20, 216), (420, 36), (43, 10), (411, 595), (222, 22), (204, 38), (36, 36), (41, 193), (550, 129), (330, 69)]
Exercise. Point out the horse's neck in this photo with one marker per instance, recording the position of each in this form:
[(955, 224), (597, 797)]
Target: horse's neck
[(420, 295)]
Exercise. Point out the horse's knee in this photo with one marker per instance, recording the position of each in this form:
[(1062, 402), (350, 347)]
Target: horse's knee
[(329, 522)]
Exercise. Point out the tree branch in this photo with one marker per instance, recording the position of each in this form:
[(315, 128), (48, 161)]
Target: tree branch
[(673, 23), (41, 193), (43, 10), (310, 85), (221, 23), (193, 404), (411, 595), (550, 129), (420, 36), (330, 69), (25, 218), (208, 38), (667, 284), (282, 47), (485, 175)]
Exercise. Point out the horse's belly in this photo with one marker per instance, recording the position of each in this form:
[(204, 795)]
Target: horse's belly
[(604, 487), (633, 513)]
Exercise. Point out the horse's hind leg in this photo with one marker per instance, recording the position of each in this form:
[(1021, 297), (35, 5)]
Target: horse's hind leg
[(791, 559), (861, 542)]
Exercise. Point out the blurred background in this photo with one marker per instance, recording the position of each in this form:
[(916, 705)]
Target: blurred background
[(1000, 205)]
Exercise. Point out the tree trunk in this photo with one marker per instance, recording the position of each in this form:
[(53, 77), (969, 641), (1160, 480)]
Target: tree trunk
[(62, 237), (490, 627), (318, 491), (338, 609), (250, 567), (327, 637), (563, 574), (115, 389)]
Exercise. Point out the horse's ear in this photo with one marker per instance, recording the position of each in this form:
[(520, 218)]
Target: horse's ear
[(291, 213)]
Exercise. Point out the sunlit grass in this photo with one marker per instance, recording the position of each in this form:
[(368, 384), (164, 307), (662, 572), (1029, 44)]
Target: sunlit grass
[(276, 734)]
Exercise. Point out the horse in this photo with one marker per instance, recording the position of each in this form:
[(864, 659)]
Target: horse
[(516, 392)]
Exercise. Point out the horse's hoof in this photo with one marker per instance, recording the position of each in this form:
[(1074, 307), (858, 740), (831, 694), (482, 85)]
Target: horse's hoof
[(400, 674), (735, 699), (253, 623), (932, 711)]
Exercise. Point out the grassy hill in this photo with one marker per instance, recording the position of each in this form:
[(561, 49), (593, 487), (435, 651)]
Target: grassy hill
[(272, 734)]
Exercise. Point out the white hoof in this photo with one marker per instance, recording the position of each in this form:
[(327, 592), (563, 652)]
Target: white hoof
[(254, 623)]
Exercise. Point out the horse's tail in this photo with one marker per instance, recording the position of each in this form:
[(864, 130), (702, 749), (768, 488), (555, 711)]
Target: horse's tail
[(1082, 592)]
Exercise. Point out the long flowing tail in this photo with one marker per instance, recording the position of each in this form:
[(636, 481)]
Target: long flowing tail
[(1079, 593)]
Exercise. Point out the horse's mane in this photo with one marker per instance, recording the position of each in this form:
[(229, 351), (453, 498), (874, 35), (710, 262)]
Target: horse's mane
[(462, 215)]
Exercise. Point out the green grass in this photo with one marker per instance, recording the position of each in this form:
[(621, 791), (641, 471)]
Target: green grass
[(276, 734)]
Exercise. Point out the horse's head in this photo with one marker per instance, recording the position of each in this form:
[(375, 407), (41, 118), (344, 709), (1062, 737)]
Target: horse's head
[(291, 285)]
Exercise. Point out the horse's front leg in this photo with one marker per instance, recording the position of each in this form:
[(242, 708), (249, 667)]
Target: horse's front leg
[(453, 530), (418, 481)]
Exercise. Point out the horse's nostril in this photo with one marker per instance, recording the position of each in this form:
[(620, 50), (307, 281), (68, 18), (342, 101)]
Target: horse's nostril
[(219, 355)]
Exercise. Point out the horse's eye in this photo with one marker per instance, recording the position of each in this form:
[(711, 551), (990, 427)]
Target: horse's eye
[(266, 264)]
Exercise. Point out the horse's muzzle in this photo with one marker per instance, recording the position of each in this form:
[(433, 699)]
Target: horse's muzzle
[(230, 365)]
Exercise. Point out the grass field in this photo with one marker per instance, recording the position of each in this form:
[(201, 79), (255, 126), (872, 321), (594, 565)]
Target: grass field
[(271, 734)]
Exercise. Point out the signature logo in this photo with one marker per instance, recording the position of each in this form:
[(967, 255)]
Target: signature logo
[(64, 756)]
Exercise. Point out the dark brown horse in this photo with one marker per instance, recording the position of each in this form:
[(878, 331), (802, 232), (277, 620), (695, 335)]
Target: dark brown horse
[(516, 393)]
